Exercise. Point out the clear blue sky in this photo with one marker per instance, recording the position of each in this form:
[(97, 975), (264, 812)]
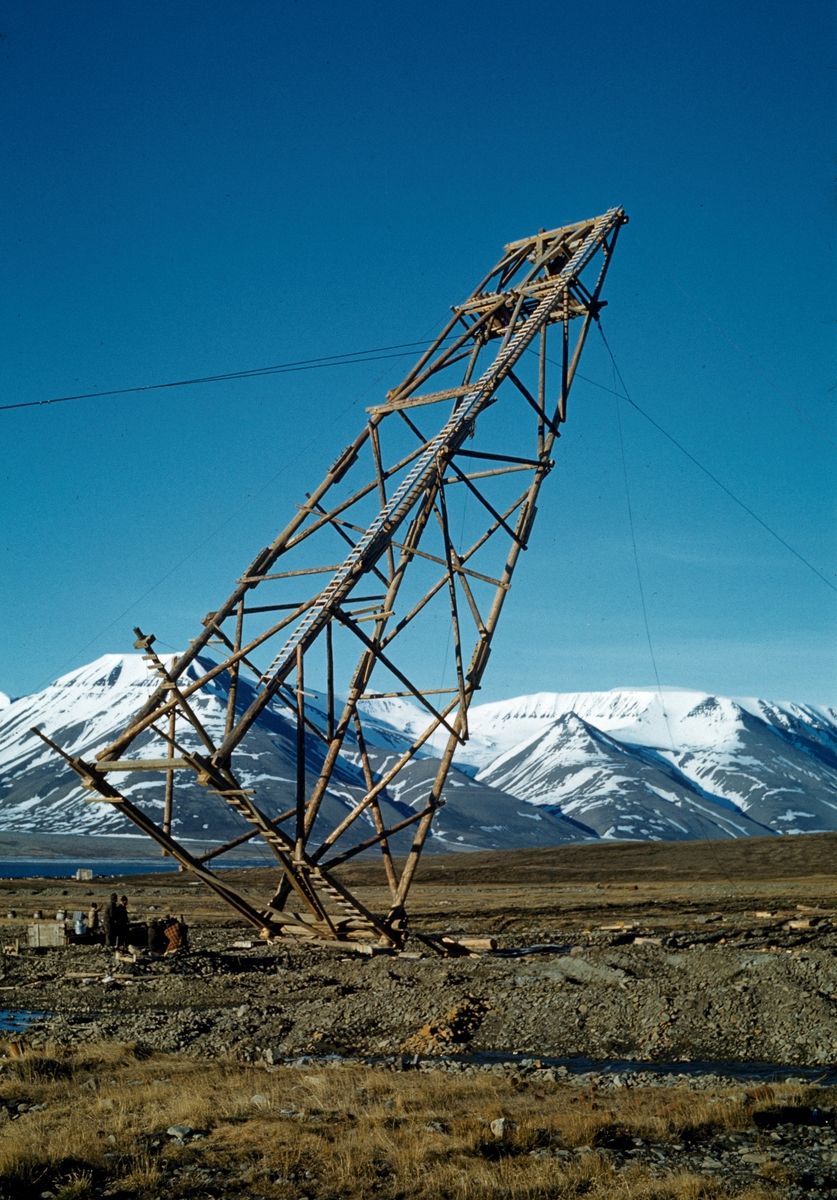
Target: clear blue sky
[(195, 188)]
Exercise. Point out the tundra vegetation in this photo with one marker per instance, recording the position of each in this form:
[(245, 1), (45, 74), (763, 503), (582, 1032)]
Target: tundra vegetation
[(118, 1120)]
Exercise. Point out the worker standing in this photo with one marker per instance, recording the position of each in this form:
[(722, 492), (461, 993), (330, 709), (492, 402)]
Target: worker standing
[(111, 921), (124, 924)]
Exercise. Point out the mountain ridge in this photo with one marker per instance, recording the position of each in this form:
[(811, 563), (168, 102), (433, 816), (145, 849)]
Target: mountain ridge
[(547, 768), (84, 710)]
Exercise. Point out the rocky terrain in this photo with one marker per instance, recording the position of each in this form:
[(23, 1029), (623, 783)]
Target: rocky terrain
[(276, 1008), (603, 996), (707, 982), (669, 969)]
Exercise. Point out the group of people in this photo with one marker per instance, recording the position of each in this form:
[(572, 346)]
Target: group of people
[(113, 922)]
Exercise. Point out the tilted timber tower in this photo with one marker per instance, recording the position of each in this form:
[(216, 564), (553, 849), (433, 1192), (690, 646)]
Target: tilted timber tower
[(401, 599)]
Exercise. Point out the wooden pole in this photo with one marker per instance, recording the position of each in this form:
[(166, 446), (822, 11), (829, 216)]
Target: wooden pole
[(541, 388), (169, 796), (300, 754), (234, 669), (565, 361), (330, 681)]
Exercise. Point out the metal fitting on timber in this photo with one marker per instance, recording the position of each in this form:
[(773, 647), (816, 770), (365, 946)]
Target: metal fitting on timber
[(478, 662), (526, 525), (342, 463)]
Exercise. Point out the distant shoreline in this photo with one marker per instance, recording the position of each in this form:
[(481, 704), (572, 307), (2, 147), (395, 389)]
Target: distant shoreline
[(80, 846)]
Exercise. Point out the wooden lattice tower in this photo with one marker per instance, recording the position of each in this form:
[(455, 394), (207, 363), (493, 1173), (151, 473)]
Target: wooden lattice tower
[(388, 507)]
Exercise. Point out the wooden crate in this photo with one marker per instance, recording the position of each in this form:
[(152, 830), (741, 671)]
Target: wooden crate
[(48, 933)]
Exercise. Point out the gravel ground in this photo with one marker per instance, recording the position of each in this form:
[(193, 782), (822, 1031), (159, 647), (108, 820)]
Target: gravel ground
[(605, 996), (722, 988)]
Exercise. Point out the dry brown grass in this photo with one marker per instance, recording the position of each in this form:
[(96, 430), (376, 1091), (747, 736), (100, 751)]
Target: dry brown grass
[(349, 1132)]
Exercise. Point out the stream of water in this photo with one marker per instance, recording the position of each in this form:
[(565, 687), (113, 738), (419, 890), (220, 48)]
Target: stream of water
[(18, 1020), (764, 1072)]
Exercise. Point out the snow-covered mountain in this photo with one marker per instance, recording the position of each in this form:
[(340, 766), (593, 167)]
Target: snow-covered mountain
[(576, 769), (537, 770), (84, 710), (707, 760)]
